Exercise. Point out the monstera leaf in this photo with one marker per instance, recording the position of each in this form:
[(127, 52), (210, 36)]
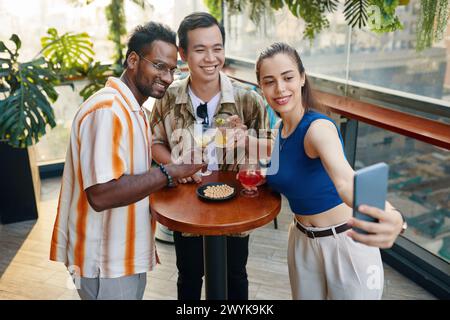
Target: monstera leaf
[(97, 75), (70, 53), (25, 111)]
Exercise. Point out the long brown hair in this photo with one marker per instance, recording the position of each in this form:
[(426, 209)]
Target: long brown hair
[(308, 100)]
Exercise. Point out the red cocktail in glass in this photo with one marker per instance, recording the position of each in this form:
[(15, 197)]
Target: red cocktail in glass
[(250, 177)]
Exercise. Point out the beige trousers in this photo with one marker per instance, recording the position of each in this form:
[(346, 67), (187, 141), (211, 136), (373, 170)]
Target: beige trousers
[(333, 267)]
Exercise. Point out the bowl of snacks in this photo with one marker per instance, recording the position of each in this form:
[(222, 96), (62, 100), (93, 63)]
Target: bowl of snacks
[(216, 191)]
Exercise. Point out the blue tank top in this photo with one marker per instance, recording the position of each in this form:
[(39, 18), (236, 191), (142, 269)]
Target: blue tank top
[(302, 180)]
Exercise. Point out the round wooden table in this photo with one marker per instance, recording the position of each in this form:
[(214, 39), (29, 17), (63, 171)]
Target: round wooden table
[(180, 209)]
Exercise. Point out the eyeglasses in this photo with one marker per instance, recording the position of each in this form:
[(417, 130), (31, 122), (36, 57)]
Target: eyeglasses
[(162, 67)]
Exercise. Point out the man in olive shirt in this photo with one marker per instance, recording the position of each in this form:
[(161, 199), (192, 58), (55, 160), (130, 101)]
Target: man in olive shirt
[(201, 45)]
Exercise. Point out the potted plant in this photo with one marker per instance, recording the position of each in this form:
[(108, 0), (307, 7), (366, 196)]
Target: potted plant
[(27, 91), (25, 111), (72, 58)]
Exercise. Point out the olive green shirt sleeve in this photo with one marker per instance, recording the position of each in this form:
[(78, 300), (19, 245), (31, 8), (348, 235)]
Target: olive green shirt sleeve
[(159, 134), (256, 116)]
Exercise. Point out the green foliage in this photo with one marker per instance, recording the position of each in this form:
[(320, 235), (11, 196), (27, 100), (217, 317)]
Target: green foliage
[(313, 13), (388, 21), (215, 8), (256, 9), (71, 56), (276, 4), (355, 12), (27, 87), (97, 75), (441, 18), (115, 14), (379, 15), (69, 53), (236, 6), (432, 22), (260, 9), (331, 5)]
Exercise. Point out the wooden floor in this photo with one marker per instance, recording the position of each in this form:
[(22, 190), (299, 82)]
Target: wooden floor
[(26, 272)]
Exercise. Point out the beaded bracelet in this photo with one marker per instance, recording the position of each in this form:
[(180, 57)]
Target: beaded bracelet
[(163, 169)]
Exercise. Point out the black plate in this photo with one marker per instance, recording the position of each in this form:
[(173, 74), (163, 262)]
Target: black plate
[(201, 189)]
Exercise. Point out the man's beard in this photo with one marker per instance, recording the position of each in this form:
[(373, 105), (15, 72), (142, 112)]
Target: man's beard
[(147, 91)]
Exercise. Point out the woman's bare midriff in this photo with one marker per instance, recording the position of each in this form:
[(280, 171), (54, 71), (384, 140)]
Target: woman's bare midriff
[(337, 215)]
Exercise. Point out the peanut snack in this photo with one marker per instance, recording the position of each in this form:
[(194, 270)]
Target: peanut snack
[(218, 192)]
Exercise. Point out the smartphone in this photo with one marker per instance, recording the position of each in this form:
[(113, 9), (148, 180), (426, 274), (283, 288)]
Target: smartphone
[(370, 188)]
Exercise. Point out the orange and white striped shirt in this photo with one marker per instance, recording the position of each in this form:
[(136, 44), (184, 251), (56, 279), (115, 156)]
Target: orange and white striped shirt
[(110, 137)]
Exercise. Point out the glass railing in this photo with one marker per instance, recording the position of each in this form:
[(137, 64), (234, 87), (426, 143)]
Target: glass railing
[(388, 60), (419, 181)]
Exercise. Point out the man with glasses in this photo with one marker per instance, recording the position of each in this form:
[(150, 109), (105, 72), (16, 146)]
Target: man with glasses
[(104, 232), (197, 100), (162, 67)]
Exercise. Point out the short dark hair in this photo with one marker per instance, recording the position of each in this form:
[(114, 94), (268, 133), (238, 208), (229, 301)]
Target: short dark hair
[(194, 21), (143, 37), (308, 100)]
